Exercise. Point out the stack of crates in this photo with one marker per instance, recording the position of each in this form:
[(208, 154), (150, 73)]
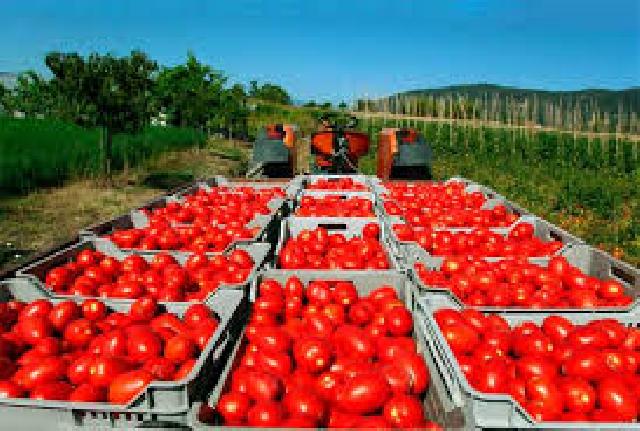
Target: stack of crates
[(450, 399)]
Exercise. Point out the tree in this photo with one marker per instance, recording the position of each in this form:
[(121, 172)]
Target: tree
[(191, 93), (342, 105), (269, 93), (32, 95), (113, 93), (311, 104), (326, 105)]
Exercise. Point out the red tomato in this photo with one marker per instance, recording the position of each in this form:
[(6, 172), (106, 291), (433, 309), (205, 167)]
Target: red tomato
[(63, 313), (303, 403), (403, 411), (126, 386), (9, 389), (142, 344), (52, 391), (312, 354), (45, 370), (233, 408), (265, 414), (197, 313), (34, 328), (102, 370), (460, 337), (263, 386), (92, 309), (362, 394), (616, 396), (399, 322), (179, 349), (578, 394), (143, 309), (88, 394)]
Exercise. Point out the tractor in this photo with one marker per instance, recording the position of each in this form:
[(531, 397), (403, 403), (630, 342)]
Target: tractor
[(274, 151), (403, 154), (337, 147)]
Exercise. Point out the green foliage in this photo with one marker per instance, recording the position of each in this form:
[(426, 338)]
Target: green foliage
[(37, 153), (268, 92), (103, 90)]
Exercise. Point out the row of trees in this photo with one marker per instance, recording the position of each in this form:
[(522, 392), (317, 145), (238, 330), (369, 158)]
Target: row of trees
[(123, 94)]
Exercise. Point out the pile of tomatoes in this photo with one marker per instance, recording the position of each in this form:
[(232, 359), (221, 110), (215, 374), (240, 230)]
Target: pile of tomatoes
[(520, 283), (196, 238), (217, 207), (482, 242), (92, 273), (443, 205), (322, 356), (88, 353), (317, 249), (335, 206), (557, 371), (343, 184)]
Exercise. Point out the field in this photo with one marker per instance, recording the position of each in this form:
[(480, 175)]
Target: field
[(590, 188), (41, 153)]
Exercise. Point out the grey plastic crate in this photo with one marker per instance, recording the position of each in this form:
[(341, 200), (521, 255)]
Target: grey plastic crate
[(168, 402), (410, 252), (364, 284), (480, 411), (303, 180), (266, 225), (291, 188), (349, 227), (591, 261), (35, 273)]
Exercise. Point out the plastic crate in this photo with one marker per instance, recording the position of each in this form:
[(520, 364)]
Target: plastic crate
[(349, 227), (364, 285), (162, 401), (410, 251), (346, 195), (291, 188), (591, 261), (266, 225), (303, 180), (35, 273), (480, 411)]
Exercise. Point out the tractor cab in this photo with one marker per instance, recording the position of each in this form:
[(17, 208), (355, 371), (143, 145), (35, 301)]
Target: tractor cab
[(403, 154), (337, 147), (273, 151)]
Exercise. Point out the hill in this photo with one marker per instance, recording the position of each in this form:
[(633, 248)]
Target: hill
[(606, 100)]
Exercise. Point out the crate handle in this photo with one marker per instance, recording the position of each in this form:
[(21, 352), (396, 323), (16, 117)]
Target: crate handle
[(623, 275), (333, 226)]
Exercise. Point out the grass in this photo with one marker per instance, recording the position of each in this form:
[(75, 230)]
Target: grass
[(41, 153), (43, 218)]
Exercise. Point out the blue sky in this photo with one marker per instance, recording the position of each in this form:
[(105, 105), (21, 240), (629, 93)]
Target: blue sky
[(340, 49)]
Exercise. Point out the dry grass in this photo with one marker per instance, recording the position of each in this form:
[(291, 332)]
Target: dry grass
[(47, 217)]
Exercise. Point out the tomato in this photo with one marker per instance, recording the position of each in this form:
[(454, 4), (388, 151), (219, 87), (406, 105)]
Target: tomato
[(263, 386), (142, 344), (585, 363), (103, 369), (233, 408), (93, 310), (265, 414), (303, 403), (88, 394), (46, 370), (387, 348), (114, 343), (318, 293), (616, 396), (143, 309), (126, 386), (371, 230), (276, 363), (9, 389), (273, 304), (294, 287), (196, 314), (34, 328), (557, 328), (52, 391), (414, 366), (460, 337), (491, 377), (362, 394), (271, 338), (79, 371), (63, 313), (403, 411), (179, 349), (528, 367), (353, 342), (80, 332), (312, 354), (399, 322), (578, 394), (326, 384), (344, 293)]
